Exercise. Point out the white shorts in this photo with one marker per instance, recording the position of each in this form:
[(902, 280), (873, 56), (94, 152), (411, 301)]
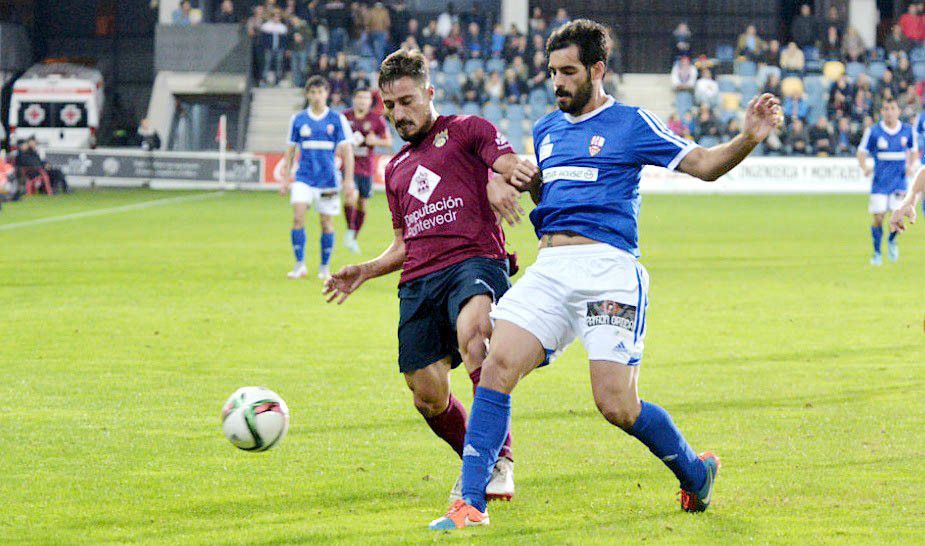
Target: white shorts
[(880, 203), (596, 292), (325, 200)]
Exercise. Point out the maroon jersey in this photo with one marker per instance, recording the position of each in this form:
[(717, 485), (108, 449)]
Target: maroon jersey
[(436, 192), (365, 156)]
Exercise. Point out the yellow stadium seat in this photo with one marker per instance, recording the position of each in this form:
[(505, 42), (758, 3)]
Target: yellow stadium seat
[(791, 87), (833, 70), (730, 102)]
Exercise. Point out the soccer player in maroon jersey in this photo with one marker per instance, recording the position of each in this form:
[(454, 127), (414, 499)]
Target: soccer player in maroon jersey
[(445, 206), (369, 131)]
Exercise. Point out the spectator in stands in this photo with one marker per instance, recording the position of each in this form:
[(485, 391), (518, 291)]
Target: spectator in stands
[(446, 20), (148, 139), (226, 13), (473, 87), (430, 54), (413, 30), (432, 38), (453, 43), (338, 18), (772, 85), (706, 90), (298, 54), (839, 104), (750, 45), (861, 105), (896, 42), (683, 75), (853, 48), (518, 48), (401, 22), (804, 27), (771, 55), (730, 130), (903, 71), (515, 88), (475, 47), (410, 43), (792, 59), (497, 40), (773, 145), (561, 18), (494, 87), (675, 125), (537, 71), (834, 19), (795, 108), (541, 32), (538, 44), (820, 136), (378, 25), (831, 44), (181, 15), (322, 66), (797, 141), (273, 35), (682, 40), (843, 138), (887, 81), (536, 19), (707, 126), (912, 23)]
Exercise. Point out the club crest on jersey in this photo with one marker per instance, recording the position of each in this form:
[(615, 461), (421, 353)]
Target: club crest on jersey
[(330, 128), (441, 138), (423, 183), (367, 126), (597, 142), (305, 131), (882, 143)]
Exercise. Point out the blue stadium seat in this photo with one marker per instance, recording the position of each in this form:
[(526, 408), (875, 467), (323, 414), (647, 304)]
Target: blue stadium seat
[(452, 65), (515, 134), (683, 101), (537, 109), (449, 109), (495, 65), (917, 54), (918, 70), (727, 84), (814, 66), (452, 86), (876, 69), (814, 85), (492, 112), (811, 53), (708, 141), (471, 109), (725, 53), (854, 69), (366, 64), (472, 65), (749, 88), (747, 69), (516, 112), (726, 115), (538, 95)]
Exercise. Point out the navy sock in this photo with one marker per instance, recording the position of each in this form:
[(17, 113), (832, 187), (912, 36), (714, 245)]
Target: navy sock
[(298, 244), (876, 233), (327, 247), (656, 430), (488, 425), (893, 235)]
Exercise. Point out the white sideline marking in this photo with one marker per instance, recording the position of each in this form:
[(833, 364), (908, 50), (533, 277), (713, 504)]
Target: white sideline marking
[(113, 210)]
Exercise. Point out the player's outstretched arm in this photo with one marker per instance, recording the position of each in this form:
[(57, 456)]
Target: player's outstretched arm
[(762, 116), (350, 193), (287, 170), (350, 278), (907, 209)]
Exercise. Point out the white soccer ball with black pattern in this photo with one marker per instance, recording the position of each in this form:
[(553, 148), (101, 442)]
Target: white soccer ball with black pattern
[(255, 418)]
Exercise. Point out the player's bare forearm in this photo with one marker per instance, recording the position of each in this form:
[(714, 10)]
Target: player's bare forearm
[(391, 260), (711, 163), (287, 161), (349, 161)]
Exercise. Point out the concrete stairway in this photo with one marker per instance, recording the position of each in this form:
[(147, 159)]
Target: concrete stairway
[(650, 91), (271, 110)]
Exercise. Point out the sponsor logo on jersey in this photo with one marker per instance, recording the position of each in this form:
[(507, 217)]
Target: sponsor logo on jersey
[(441, 138), (581, 174), (611, 313), (597, 142), (305, 131), (882, 143), (367, 126)]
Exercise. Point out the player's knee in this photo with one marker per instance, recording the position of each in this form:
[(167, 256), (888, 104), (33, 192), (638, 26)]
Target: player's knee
[(622, 414), (500, 372), (472, 338), (430, 406)]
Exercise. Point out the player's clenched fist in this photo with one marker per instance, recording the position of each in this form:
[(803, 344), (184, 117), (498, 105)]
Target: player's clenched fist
[(525, 175)]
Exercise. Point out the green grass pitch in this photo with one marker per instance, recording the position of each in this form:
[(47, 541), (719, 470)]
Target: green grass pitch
[(770, 340)]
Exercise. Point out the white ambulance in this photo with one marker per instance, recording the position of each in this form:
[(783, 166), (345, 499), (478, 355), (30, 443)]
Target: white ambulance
[(60, 104)]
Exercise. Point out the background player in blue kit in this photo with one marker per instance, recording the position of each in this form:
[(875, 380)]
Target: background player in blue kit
[(893, 146), (318, 133), (587, 281)]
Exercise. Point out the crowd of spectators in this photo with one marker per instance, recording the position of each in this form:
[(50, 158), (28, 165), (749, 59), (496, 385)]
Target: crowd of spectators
[(830, 83)]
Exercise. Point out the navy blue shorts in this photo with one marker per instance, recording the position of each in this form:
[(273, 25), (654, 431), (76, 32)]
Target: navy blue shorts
[(430, 305), (364, 185)]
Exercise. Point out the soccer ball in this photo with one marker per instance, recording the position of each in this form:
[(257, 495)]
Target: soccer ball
[(255, 418)]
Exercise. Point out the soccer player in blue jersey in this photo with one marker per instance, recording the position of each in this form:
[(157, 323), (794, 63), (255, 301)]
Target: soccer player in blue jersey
[(587, 281), (319, 134), (893, 146)]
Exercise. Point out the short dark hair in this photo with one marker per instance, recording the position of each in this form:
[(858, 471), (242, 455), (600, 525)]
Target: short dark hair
[(591, 38), (404, 63), (887, 100), (317, 81), (362, 89)]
